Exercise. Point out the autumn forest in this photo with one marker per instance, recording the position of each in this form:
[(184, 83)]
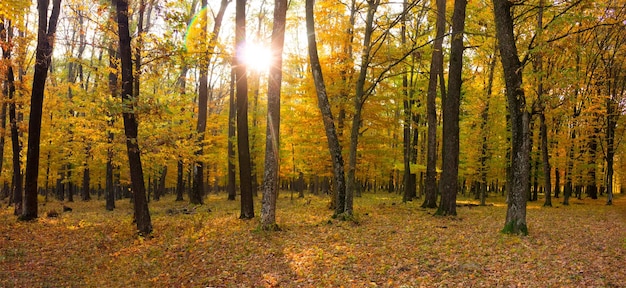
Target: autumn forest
[(334, 127)]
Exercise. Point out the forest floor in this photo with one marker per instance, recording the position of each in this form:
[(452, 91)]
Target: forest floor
[(390, 244)]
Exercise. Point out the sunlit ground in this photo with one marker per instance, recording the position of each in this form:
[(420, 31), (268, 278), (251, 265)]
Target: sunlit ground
[(391, 244)]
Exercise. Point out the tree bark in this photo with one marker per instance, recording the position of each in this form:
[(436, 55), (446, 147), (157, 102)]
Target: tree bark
[(232, 115), (450, 163), (142, 214), (436, 69), (16, 144), (519, 167), (113, 89), (243, 142), (484, 129), (45, 42), (409, 182), (197, 192), (327, 117), (272, 138)]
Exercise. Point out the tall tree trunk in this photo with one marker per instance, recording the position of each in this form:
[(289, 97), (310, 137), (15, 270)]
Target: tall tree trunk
[(359, 99), (232, 115), (142, 214), (409, 182), (450, 163), (6, 35), (113, 89), (197, 192), (543, 129), (612, 118), (519, 169), (45, 41), (85, 195), (17, 191), (160, 189), (272, 138), (436, 69), (484, 128), (243, 142), (334, 147)]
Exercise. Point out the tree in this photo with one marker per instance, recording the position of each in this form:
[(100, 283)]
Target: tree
[(272, 137), (519, 167), (450, 164), (243, 142), (45, 42), (436, 70), (334, 147), (9, 93), (142, 214), (232, 116), (197, 192), (409, 181)]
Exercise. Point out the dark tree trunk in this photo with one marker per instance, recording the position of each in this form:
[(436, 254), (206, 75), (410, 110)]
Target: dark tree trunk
[(85, 195), (142, 214), (409, 182), (450, 164), (327, 117), (557, 182), (519, 169), (9, 92), (70, 185), (160, 189), (180, 186), (45, 41), (484, 128), (113, 89), (547, 185), (272, 138), (232, 115), (16, 146), (245, 169), (197, 191), (436, 69), (612, 118)]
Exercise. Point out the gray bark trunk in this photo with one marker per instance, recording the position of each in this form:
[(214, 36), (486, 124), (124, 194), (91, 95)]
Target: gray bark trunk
[(272, 143), (519, 169), (329, 125)]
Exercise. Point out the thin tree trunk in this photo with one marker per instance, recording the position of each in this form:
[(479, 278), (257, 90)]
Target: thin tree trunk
[(543, 129), (484, 129), (113, 89), (245, 169), (436, 69), (272, 138), (142, 214), (232, 115), (45, 41), (409, 186), (327, 117), (16, 144), (450, 163), (359, 99)]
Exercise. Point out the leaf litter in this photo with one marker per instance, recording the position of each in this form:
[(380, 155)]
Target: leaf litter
[(398, 245)]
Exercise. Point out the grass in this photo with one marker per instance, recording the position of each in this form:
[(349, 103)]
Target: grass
[(391, 245)]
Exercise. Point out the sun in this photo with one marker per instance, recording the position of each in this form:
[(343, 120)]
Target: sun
[(257, 57)]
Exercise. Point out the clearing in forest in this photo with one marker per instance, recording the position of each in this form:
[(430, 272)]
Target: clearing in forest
[(391, 244)]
